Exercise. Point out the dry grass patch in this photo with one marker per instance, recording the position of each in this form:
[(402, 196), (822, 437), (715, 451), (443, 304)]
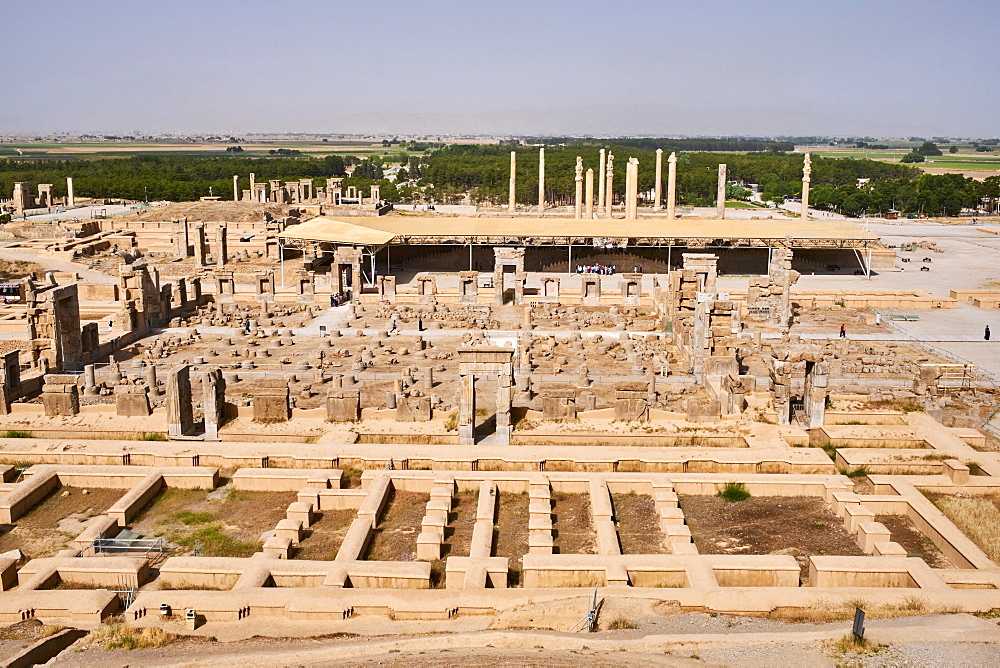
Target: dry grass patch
[(15, 270), (395, 538), (831, 610), (850, 649), (572, 528), (977, 517), (638, 524), (118, 636)]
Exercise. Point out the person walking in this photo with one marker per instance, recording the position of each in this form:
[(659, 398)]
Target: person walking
[(393, 329), (986, 336), (843, 332)]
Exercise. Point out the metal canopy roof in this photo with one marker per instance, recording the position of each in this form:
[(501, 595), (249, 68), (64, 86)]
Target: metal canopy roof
[(561, 231), (337, 231)]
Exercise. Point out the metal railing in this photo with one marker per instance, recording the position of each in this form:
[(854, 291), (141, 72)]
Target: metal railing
[(972, 375), (144, 546)]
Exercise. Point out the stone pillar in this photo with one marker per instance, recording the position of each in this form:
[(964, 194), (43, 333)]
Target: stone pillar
[(671, 186), (806, 180), (89, 380), (214, 388), (590, 289), (512, 193), (180, 418), (817, 382), (152, 385), (600, 180), (70, 199), (658, 185), (236, 187), (632, 193), (608, 189), (631, 289), (782, 378), (221, 244), (386, 289), (628, 189), (578, 210), (504, 400), (253, 182), (590, 195), (541, 180), (21, 197), (720, 196), (199, 244), (180, 238), (467, 411), (782, 277), (468, 287)]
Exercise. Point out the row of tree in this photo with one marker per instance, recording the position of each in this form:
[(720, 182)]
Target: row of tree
[(172, 178), (482, 173)]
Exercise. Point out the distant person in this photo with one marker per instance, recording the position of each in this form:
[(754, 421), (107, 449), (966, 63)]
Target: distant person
[(843, 331), (420, 324), (393, 328), (986, 336)]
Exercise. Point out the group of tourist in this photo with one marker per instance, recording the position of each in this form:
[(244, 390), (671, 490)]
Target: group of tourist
[(603, 269)]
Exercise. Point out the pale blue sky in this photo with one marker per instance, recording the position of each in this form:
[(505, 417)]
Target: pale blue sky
[(875, 67)]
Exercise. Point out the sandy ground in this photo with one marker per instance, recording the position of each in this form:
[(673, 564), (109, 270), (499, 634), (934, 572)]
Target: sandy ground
[(679, 640)]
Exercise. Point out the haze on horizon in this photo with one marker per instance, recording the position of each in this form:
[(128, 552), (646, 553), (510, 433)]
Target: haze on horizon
[(879, 68)]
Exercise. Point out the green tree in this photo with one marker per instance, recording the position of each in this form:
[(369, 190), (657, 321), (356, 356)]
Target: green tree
[(736, 191), (928, 148), (953, 149), (912, 157)]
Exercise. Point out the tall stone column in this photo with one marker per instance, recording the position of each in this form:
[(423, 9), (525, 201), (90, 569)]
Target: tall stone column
[(512, 194), (806, 180), (608, 198), (590, 195), (221, 244), (628, 189), (252, 182), (578, 210), (720, 196), (180, 418), (658, 185), (467, 411), (633, 190), (671, 186), (541, 180), (600, 180), (236, 187), (70, 199)]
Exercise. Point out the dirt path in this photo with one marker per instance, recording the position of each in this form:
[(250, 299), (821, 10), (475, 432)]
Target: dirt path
[(53, 264), (692, 639)]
